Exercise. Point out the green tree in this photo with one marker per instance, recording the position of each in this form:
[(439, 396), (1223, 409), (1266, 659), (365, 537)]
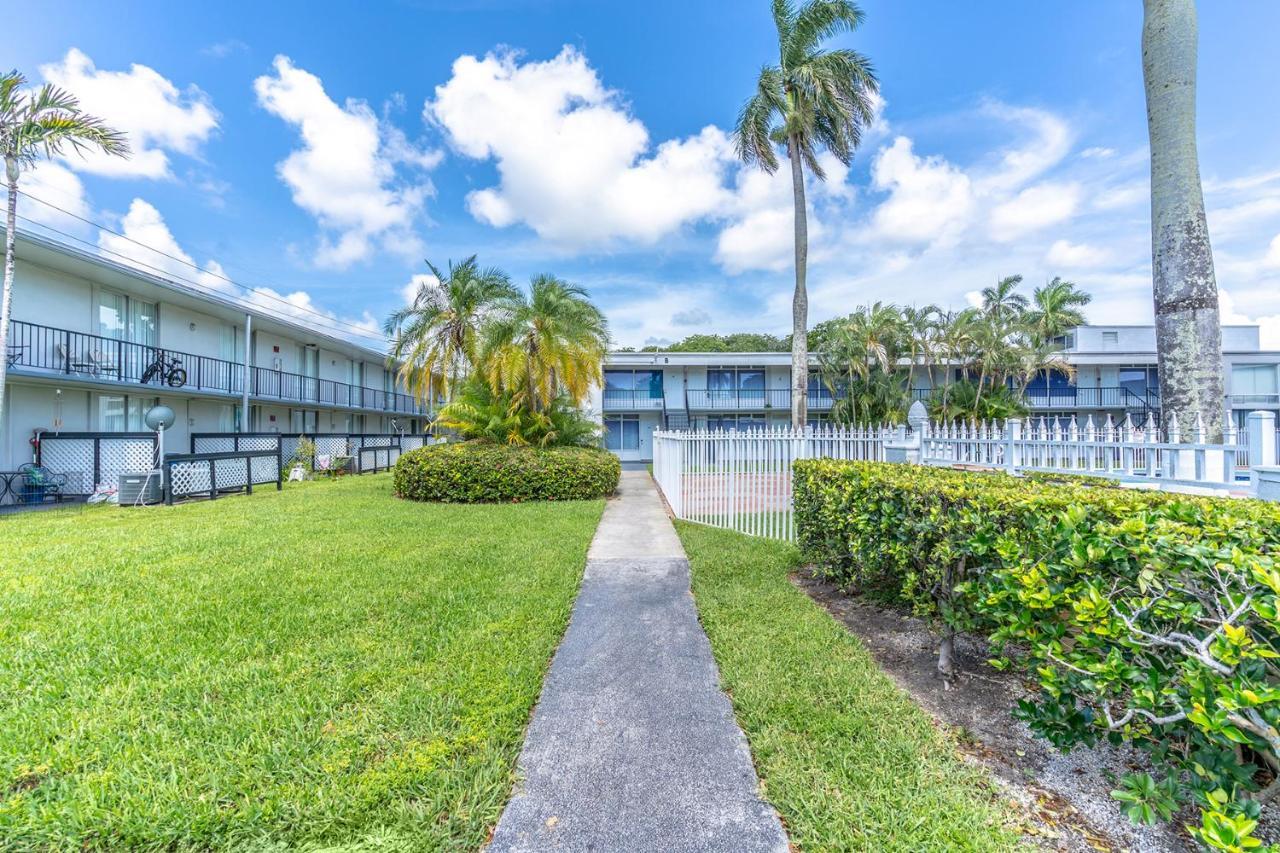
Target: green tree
[(1003, 302), (548, 344), (434, 339), (1184, 287), (813, 98), (46, 121), (1055, 309)]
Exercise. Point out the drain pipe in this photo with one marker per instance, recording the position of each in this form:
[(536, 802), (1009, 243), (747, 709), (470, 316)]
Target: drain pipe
[(244, 392)]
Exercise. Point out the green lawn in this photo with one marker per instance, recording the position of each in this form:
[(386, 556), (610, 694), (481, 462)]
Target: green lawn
[(849, 760), (327, 666)]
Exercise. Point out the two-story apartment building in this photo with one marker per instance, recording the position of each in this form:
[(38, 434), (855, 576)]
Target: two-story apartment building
[(1115, 374), (93, 344)]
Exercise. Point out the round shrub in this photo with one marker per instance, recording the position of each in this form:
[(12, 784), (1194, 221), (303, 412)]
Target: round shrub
[(474, 472)]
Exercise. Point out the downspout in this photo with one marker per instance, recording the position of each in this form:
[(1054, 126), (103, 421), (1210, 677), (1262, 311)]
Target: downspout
[(244, 391)]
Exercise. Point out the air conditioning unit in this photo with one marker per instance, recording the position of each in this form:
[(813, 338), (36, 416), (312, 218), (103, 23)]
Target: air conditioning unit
[(139, 488)]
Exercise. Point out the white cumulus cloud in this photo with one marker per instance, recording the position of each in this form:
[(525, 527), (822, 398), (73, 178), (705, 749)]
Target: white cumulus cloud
[(573, 163), (146, 242), (1068, 255), (930, 200), (1034, 208), (345, 173), (158, 117)]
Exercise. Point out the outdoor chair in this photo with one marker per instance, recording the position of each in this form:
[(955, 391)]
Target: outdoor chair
[(39, 485)]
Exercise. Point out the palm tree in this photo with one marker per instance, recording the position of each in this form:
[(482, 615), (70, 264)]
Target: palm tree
[(918, 328), (45, 121), (1185, 290), (434, 339), (813, 98), (1002, 302), (544, 345), (1056, 309)]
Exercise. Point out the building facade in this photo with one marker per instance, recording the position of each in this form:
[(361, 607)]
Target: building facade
[(1115, 374), (94, 344)]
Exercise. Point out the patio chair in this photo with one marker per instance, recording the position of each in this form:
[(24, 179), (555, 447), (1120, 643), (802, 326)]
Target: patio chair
[(39, 484)]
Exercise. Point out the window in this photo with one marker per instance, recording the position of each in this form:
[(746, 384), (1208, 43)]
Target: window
[(117, 413), (1251, 380), (226, 417), (1139, 380), (638, 382), (303, 420), (309, 361), (227, 349), (622, 432), (124, 318), (1110, 339)]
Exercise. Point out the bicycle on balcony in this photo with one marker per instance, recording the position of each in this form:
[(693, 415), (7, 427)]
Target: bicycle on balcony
[(166, 369)]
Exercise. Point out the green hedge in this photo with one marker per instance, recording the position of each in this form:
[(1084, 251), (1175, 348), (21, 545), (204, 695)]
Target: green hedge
[(474, 472), (1145, 616)]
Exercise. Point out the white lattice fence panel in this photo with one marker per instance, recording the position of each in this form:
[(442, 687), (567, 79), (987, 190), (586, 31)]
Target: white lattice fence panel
[(411, 442), (232, 473), (189, 478), (332, 445), (118, 455), (213, 444), (368, 459), (259, 442), (264, 469), (72, 457)]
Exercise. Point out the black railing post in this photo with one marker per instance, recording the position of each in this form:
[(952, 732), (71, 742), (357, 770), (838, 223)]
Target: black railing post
[(97, 462), (213, 480), (166, 481)]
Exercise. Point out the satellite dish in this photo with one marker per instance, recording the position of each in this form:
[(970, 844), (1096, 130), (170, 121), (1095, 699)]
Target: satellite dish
[(159, 417)]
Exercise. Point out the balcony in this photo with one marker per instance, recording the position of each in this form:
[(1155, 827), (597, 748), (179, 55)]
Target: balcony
[(1255, 401), (1077, 398), (36, 350), (738, 399), (629, 400)]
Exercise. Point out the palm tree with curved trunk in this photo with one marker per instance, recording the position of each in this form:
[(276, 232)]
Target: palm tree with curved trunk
[(46, 121), (545, 345), (1055, 309), (813, 98), (1184, 287), (434, 339)]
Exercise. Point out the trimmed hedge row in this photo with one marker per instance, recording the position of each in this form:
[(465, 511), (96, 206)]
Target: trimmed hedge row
[(475, 472), (1146, 616)]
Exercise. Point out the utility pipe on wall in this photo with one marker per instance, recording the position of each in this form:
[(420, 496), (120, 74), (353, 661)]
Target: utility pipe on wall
[(244, 399)]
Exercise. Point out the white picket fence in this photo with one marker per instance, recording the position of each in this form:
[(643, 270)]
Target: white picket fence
[(741, 480), (1122, 450)]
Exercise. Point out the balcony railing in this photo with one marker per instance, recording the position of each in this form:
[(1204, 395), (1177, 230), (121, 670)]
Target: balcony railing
[(739, 399), (625, 399), (45, 350), (1077, 398)]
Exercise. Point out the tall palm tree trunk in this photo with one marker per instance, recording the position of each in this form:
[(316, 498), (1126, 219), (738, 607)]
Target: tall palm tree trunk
[(10, 240), (1185, 291), (800, 301)]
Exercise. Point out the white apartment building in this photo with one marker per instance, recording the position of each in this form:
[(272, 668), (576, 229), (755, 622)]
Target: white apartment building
[(1115, 374), (85, 331)]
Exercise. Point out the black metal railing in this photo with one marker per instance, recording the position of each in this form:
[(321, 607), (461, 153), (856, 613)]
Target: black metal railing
[(80, 355), (1075, 398), (624, 398), (746, 399)]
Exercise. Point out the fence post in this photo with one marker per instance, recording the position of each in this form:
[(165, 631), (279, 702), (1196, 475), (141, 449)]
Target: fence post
[(1262, 442), (1012, 437)]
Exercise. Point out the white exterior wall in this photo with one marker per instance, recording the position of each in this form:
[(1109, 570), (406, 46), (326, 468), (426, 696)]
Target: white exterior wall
[(58, 287)]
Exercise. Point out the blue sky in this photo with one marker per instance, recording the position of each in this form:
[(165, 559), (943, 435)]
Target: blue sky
[(321, 151)]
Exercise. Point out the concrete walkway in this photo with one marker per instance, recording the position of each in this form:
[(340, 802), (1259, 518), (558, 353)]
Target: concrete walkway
[(633, 746)]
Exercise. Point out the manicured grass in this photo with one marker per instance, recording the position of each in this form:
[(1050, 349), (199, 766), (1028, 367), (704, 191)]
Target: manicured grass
[(850, 762), (324, 666)]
